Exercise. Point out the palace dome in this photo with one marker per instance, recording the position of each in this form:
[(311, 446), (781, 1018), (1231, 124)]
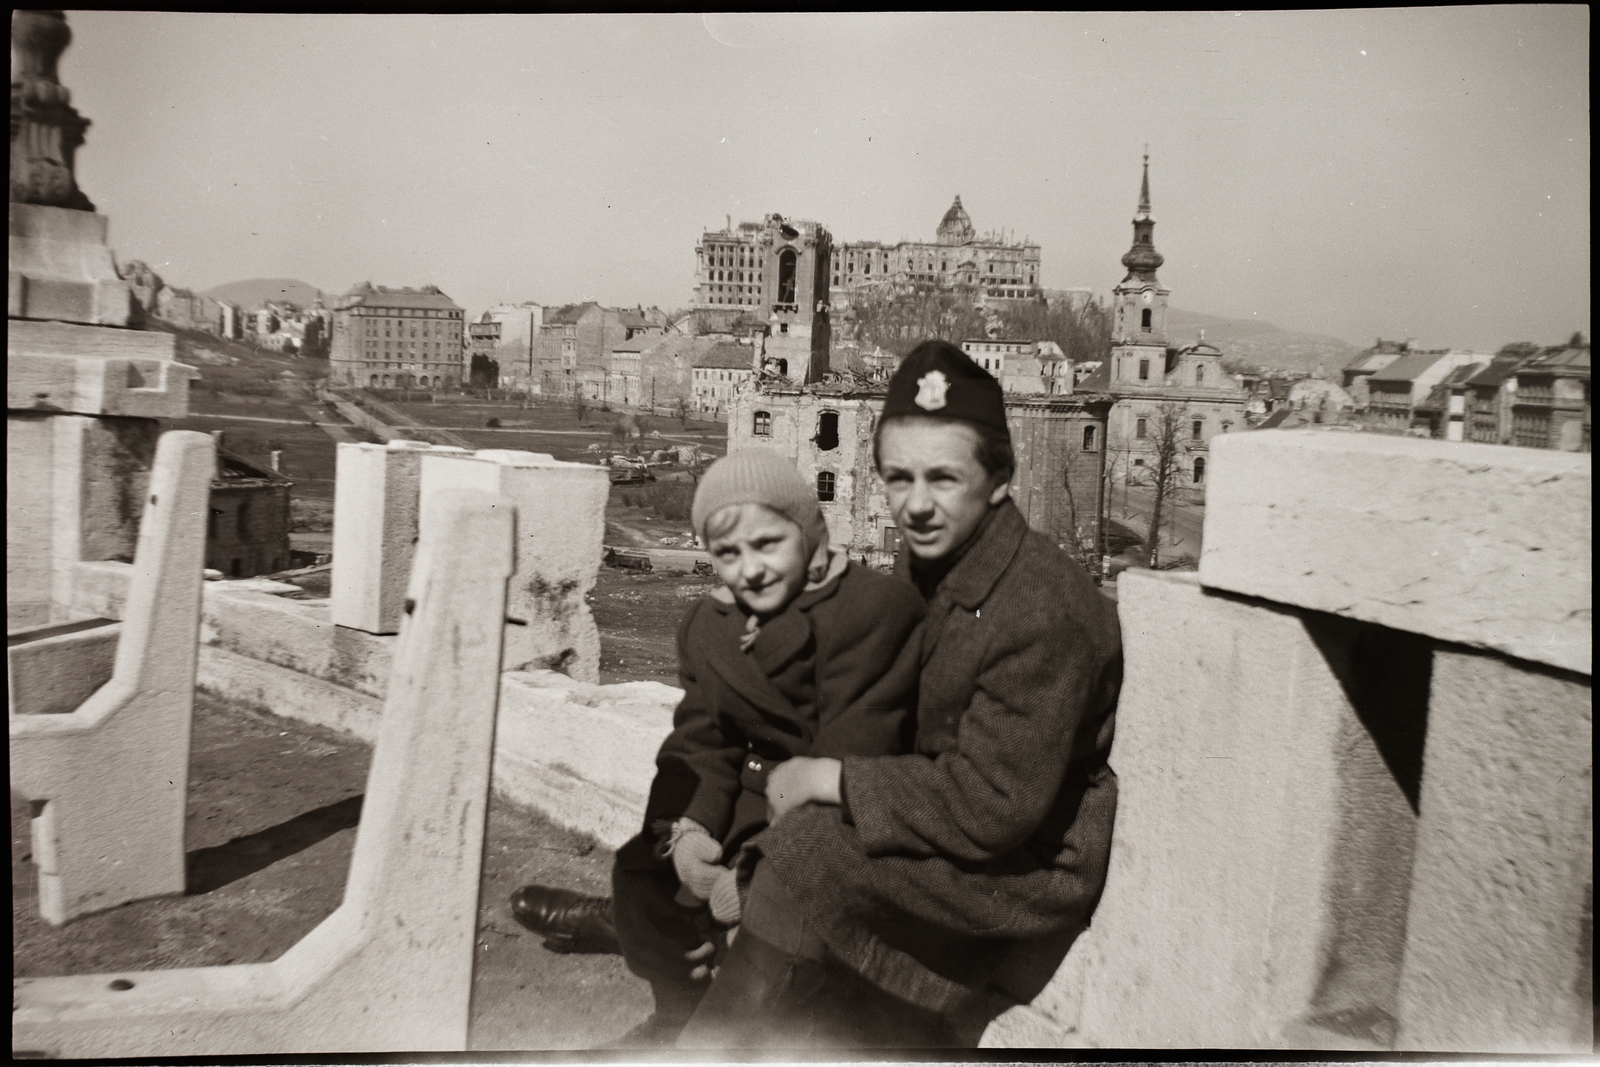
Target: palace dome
[(956, 227)]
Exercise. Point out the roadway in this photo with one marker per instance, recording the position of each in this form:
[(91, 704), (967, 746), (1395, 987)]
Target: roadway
[(1132, 505)]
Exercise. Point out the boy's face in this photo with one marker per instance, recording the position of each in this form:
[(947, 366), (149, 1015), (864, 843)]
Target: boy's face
[(760, 556), (938, 491)]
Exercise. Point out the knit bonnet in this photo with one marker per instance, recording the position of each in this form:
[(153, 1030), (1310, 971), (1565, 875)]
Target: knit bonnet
[(759, 476)]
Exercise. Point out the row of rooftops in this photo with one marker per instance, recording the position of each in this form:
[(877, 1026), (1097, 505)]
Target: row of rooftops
[(1408, 364)]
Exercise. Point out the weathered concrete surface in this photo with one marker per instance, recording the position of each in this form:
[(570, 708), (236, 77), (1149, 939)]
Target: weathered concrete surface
[(49, 673), (391, 969), (1482, 545), (582, 754), (81, 499), (290, 693), (60, 267), (560, 527), (109, 778), (60, 368), (297, 634), (374, 531), (99, 589), (1499, 946), (1261, 853)]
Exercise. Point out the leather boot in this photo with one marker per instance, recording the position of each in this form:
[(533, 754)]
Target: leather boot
[(568, 921)]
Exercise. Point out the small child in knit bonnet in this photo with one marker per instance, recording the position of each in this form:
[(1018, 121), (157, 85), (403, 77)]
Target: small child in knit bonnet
[(801, 652)]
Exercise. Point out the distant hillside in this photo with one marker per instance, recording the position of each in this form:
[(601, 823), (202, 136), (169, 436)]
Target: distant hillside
[(1261, 344), (257, 291)]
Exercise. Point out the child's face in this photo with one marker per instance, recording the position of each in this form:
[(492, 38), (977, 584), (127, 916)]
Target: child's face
[(759, 555)]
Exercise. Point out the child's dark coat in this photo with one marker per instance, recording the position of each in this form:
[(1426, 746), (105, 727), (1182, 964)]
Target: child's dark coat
[(834, 675)]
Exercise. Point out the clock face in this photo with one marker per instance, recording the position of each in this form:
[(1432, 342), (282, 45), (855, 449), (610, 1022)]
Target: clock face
[(1146, 297)]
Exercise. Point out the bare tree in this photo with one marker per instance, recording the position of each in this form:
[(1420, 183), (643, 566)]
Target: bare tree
[(582, 406), (681, 410), (1078, 323), (898, 319), (1169, 445)]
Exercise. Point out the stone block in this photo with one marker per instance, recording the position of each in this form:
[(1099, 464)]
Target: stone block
[(81, 498), (108, 781), (391, 969), (582, 754), (288, 692), (1475, 544), (60, 267), (560, 527), (30, 557), (56, 668), (1500, 941), (99, 589), (374, 531), (95, 370), (294, 634), (1261, 853), (298, 635)]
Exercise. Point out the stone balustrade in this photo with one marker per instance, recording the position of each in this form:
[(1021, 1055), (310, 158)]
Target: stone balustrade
[(107, 779), (391, 969), (1355, 764)]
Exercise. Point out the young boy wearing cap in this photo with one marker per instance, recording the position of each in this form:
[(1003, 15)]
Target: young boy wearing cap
[(800, 653), (903, 900)]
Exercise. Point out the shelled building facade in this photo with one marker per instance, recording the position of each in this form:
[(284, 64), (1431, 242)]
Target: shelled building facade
[(731, 266), (997, 268)]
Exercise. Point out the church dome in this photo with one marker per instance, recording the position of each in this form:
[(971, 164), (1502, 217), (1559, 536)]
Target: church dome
[(1142, 259), (956, 227)]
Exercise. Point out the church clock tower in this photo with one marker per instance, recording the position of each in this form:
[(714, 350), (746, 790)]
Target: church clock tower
[(1139, 326)]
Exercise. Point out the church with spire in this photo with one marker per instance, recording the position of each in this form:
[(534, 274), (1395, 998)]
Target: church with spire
[(1153, 377)]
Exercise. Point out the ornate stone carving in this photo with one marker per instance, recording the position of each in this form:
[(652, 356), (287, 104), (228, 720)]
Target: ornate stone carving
[(46, 130)]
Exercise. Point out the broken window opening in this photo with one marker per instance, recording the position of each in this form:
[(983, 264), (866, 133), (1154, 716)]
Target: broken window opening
[(827, 438), (786, 276)]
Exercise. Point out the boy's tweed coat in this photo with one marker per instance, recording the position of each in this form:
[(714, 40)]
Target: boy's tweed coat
[(834, 674), (995, 832)]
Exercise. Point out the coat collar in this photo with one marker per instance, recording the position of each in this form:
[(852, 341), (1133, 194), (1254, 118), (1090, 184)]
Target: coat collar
[(781, 638), (986, 558)]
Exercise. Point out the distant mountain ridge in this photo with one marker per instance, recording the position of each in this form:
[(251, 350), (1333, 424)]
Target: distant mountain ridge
[(257, 291), (1262, 344)]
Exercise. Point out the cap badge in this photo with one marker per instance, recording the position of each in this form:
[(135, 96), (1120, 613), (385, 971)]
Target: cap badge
[(931, 388)]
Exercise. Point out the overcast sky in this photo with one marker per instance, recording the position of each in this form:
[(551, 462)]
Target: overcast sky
[(1406, 173)]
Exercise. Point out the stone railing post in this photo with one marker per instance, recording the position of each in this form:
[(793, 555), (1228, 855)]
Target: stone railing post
[(109, 780), (391, 969)]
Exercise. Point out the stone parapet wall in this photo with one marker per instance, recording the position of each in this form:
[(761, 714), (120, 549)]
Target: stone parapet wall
[(1355, 757), (1477, 544)]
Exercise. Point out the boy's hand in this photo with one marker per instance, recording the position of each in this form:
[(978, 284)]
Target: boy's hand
[(802, 780)]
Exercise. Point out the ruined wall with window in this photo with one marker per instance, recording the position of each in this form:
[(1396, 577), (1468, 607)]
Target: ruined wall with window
[(828, 435)]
